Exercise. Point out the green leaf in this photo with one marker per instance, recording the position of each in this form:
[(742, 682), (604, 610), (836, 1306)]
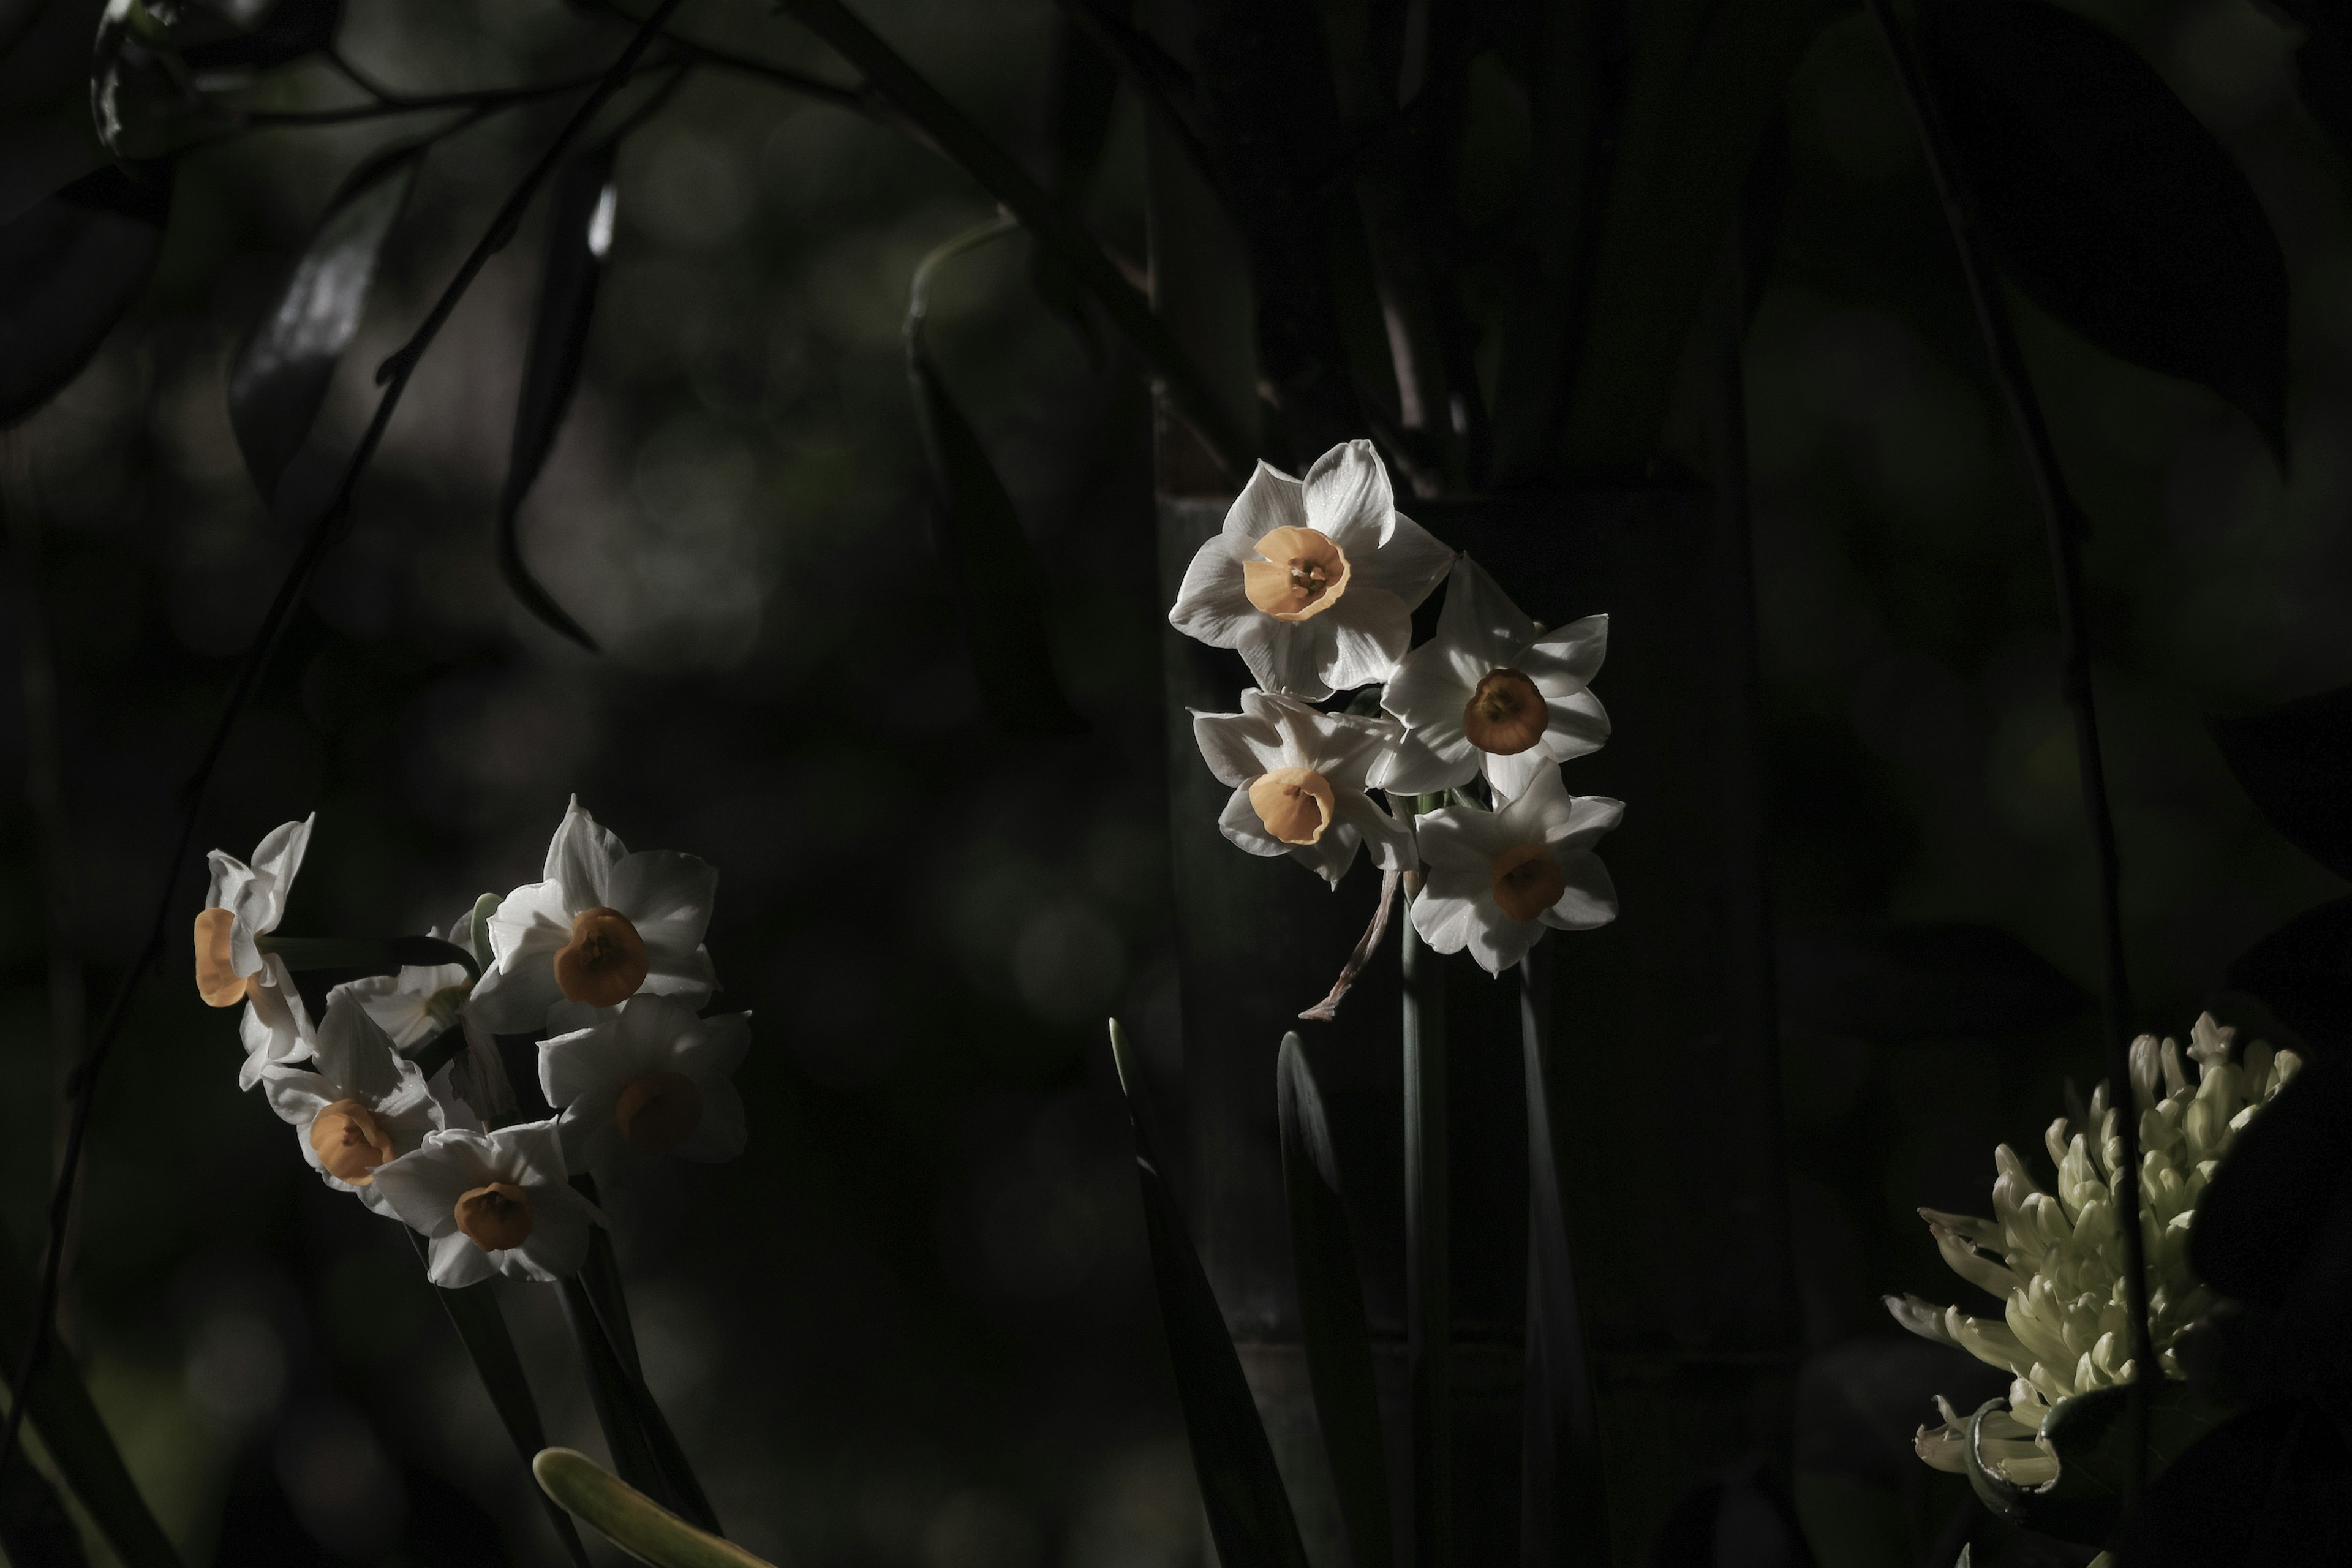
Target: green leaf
[(608, 1389), (1249, 1512), (293, 30), (995, 572), (474, 1314), (73, 263), (2091, 1434), (33, 1525), (630, 1520), (79, 1446), (1332, 1310), (288, 362)]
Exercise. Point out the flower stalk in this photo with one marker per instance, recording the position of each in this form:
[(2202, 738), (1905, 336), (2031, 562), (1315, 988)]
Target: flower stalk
[(1429, 1290), (2064, 520)]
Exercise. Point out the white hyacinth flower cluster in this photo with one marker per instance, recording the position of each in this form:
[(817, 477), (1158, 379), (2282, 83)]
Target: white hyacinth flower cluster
[(1314, 582), (2056, 1259), (397, 1093)]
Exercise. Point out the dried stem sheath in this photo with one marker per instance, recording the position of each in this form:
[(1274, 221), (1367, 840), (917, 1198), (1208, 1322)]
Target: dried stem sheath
[(2064, 520)]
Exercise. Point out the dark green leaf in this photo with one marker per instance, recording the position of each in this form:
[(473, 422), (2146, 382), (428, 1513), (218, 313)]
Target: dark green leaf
[(995, 573), (2303, 972), (1919, 981), (2108, 201), (1331, 1311), (146, 103), (292, 29), (2091, 1434), (2256, 1222), (79, 1444), (1242, 1492), (2296, 763), (35, 1529), (282, 373), (69, 267), (579, 232), (2264, 1490), (1083, 82), (608, 1389), (474, 1314)]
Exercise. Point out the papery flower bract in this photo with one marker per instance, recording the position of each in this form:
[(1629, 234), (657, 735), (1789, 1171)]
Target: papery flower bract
[(1489, 692), (2056, 1259), (604, 924), (1298, 782), (653, 1076), (1314, 581), (362, 1104), (500, 1203), (1498, 880)]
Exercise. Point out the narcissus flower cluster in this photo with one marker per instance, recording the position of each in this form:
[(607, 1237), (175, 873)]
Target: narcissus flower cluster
[(2055, 1257), (398, 1093), (1314, 582)]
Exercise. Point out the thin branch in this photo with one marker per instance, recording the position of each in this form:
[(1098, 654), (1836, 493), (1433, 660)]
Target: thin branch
[(1158, 80), (394, 376), (1327, 1009), (2063, 522)]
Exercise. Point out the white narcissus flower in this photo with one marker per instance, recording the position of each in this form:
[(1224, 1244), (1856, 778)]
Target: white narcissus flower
[(244, 902), (1298, 782), (498, 1202), (2056, 1259), (423, 999), (1498, 880), (1489, 692), (1314, 581), (361, 1106), (604, 924), (652, 1076)]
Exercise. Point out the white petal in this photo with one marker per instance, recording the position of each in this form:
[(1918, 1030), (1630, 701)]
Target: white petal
[(1480, 619), (710, 1053), (1290, 655), (1592, 898), (529, 1154), (1538, 808), (1444, 912), (353, 1052), (1238, 747), (1271, 500), (456, 1261), (1414, 767), (1511, 775), (1409, 565), (1241, 822), (1496, 940), (423, 1188), (1370, 628), (1589, 818), (1429, 690), (1566, 655), (1574, 724), (297, 1096), (1387, 839), (1330, 856), (562, 1221), (1342, 747), (687, 976), (1458, 839), (276, 1026), (1212, 604), (666, 896), (278, 857), (1348, 501), (580, 859)]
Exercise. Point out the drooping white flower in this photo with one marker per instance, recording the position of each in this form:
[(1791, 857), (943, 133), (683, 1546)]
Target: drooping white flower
[(421, 1000), (1314, 581), (603, 925), (2056, 1259), (244, 902), (653, 1076), (495, 1202), (1298, 782), (1492, 690), (1498, 880), (360, 1106)]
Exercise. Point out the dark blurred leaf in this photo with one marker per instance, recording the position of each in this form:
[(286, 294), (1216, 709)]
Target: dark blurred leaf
[(608, 1389), (79, 1444), (46, 139), (996, 575), (2265, 1490), (600, 1277), (2323, 66), (35, 1529), (293, 29), (1858, 1404), (2256, 1222), (146, 103), (2296, 763), (2108, 201), (1922, 981), (447, 1528), (2303, 972), (1083, 82), (1332, 1310), (474, 1314), (69, 267), (2092, 1435), (1736, 1520), (282, 373), (579, 233), (1242, 1492)]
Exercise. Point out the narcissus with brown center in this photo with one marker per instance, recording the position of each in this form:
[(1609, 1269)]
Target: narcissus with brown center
[(1298, 778), (1497, 881), (651, 1075), (243, 903), (604, 925), (360, 1106), (1493, 693), (498, 1202), (1314, 581)]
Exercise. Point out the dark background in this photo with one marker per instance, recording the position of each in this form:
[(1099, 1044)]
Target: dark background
[(913, 1324)]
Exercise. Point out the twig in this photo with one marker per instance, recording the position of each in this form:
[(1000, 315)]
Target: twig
[(394, 376), (2064, 520), (1327, 1009)]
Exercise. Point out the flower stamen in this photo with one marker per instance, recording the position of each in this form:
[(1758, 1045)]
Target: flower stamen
[(1304, 573), (1294, 804), (497, 1218), (604, 962), (217, 981), (1528, 881), (1505, 715), (658, 1111), (350, 1143)]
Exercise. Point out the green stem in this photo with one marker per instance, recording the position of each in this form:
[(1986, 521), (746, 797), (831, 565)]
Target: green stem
[(1429, 1293)]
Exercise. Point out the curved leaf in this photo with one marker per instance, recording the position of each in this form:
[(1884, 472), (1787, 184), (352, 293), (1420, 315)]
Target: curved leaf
[(281, 375), (2264, 1490), (293, 29), (629, 1518), (995, 572), (2256, 1222), (2295, 761), (2092, 1435), (2303, 972), (2108, 201), (1249, 1512), (69, 267), (579, 232), (1332, 1310), (141, 95)]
